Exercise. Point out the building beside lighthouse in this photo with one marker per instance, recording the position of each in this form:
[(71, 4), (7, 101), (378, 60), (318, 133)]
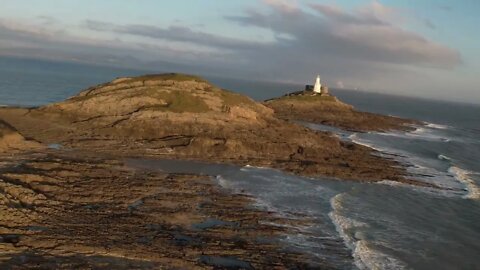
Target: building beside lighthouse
[(316, 92)]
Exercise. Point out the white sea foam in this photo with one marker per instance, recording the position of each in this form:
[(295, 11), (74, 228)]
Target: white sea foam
[(436, 126), (420, 134), (364, 255), (443, 157), (354, 138), (382, 150), (223, 182), (248, 168), (428, 190), (439, 178), (369, 258), (426, 134), (393, 183), (463, 176)]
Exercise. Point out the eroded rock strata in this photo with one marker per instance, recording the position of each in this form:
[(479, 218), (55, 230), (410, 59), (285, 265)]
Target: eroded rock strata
[(328, 110), (69, 211)]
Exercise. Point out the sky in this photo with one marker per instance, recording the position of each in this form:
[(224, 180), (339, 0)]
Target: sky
[(427, 48)]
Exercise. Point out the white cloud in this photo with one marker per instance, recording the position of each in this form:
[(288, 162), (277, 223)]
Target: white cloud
[(286, 6), (364, 47)]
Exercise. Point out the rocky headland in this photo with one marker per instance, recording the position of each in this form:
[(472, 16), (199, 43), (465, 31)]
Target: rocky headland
[(185, 117), (68, 207), (329, 110)]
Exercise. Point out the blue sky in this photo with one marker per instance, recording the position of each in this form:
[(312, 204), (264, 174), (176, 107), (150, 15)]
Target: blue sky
[(421, 48)]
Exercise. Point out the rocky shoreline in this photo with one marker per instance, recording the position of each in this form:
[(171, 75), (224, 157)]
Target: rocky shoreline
[(328, 110), (71, 210), (69, 207)]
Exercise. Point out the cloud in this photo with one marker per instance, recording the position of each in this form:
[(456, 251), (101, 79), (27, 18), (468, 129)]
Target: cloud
[(39, 41), (47, 20), (174, 33), (365, 47), (430, 24), (365, 34), (285, 6)]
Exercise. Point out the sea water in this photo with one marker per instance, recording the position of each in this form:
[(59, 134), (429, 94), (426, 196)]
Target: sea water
[(383, 225)]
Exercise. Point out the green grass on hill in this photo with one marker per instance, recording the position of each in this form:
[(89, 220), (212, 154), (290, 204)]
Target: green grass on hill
[(233, 99), (179, 102)]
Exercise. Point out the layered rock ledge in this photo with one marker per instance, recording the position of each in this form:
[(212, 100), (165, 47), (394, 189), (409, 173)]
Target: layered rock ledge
[(72, 211), (329, 110), (12, 141)]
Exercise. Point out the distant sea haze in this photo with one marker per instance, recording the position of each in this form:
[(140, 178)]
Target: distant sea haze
[(64, 79)]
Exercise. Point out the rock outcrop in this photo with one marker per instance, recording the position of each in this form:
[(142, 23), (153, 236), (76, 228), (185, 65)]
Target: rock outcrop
[(80, 212), (328, 110), (159, 97), (12, 141)]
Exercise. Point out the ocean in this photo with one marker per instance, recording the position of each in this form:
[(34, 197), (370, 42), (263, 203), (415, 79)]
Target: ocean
[(382, 225)]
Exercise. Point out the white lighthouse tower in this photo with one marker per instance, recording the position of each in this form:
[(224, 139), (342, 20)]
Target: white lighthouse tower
[(317, 89)]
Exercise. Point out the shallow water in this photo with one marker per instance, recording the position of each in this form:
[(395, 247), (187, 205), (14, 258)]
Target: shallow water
[(357, 225)]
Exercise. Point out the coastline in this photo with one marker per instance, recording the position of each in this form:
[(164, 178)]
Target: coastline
[(328, 110), (84, 182), (185, 217), (126, 117)]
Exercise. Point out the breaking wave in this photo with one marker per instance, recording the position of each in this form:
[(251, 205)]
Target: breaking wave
[(364, 255), (354, 138), (426, 134), (422, 168), (436, 126), (443, 157), (223, 182), (464, 177)]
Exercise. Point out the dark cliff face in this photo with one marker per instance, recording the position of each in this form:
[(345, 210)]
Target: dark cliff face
[(6, 128)]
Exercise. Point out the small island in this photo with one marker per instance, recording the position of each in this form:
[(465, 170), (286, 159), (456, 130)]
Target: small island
[(315, 104)]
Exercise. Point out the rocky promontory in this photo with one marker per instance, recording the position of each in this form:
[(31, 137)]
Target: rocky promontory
[(329, 110), (185, 117)]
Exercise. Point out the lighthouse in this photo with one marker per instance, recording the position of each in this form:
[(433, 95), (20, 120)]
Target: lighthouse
[(317, 89)]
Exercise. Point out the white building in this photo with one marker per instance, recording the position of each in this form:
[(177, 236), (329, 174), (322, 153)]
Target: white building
[(318, 86)]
